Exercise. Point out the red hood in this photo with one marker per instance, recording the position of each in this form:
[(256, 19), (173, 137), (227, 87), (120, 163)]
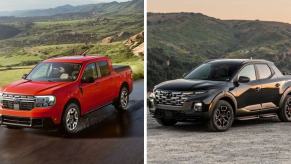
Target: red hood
[(33, 87)]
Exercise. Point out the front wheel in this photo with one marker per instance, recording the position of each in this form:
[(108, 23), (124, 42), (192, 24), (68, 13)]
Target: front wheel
[(71, 119), (284, 112), (222, 117), (122, 102)]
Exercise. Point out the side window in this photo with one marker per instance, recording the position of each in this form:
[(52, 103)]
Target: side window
[(248, 71), (90, 71), (277, 71), (264, 71), (104, 68)]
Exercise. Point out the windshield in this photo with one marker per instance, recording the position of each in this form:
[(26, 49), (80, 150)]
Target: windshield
[(214, 71), (55, 72)]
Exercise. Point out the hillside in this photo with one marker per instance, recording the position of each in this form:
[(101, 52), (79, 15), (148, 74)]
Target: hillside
[(112, 7), (25, 41), (187, 39)]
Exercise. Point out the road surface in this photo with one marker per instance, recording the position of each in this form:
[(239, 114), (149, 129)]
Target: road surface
[(251, 141), (109, 137)]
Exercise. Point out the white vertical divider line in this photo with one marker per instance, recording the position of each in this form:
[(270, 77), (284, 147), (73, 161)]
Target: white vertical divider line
[(145, 81)]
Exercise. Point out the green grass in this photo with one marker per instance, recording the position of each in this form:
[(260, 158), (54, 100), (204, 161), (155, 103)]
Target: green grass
[(43, 38), (46, 24), (137, 68), (23, 59), (12, 75)]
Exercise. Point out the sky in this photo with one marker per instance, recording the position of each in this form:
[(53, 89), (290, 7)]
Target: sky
[(269, 10), (11, 5)]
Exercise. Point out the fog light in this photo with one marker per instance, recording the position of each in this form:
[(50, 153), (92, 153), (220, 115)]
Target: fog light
[(151, 102), (197, 107)]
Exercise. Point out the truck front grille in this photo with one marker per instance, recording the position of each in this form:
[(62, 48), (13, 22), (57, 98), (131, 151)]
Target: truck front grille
[(18, 102), (175, 98)]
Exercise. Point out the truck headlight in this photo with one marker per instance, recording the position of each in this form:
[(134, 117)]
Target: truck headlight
[(152, 95), (44, 101)]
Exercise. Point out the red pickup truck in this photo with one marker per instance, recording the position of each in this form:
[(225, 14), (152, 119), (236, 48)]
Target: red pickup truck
[(58, 91)]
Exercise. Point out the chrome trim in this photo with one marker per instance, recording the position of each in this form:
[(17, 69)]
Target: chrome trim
[(19, 99)]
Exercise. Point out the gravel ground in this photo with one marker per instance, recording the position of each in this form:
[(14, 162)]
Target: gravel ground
[(251, 141)]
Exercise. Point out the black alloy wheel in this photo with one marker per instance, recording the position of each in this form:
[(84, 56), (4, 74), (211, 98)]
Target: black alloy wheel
[(222, 117), (284, 113)]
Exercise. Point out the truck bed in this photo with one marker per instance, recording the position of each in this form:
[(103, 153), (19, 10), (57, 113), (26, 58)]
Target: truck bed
[(120, 68)]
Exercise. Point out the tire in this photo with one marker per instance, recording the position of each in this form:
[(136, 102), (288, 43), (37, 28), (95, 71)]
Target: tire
[(122, 101), (166, 122), (284, 112), (222, 117), (70, 119)]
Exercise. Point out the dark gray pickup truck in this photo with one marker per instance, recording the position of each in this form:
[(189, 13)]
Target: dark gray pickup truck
[(220, 91)]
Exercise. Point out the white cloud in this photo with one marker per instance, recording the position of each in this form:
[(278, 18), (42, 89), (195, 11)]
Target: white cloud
[(10, 5)]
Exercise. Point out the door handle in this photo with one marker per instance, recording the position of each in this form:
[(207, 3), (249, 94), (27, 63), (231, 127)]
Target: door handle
[(258, 89), (277, 85)]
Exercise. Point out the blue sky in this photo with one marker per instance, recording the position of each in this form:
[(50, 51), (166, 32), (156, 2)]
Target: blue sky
[(11, 5)]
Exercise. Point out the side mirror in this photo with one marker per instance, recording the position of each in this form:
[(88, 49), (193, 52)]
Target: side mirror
[(184, 75), (243, 79), (88, 80), (24, 76)]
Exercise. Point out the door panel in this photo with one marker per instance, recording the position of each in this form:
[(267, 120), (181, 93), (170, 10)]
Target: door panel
[(108, 81), (248, 94), (270, 87), (90, 96), (91, 91), (270, 93)]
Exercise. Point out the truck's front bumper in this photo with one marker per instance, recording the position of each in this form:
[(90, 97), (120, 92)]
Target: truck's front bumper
[(179, 113), (35, 118), (26, 122)]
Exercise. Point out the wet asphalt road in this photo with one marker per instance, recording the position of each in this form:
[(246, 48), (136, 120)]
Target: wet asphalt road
[(107, 137), (251, 141)]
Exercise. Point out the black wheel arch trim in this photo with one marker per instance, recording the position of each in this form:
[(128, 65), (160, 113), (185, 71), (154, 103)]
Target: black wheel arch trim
[(220, 96), (285, 93), (72, 100)]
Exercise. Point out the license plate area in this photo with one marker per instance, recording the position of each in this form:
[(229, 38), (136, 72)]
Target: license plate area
[(16, 106)]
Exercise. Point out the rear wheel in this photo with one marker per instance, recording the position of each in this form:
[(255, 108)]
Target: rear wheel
[(122, 102), (71, 119), (284, 113), (166, 122), (222, 117)]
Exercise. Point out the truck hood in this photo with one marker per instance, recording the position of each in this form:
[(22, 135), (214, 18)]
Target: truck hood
[(190, 85), (27, 87)]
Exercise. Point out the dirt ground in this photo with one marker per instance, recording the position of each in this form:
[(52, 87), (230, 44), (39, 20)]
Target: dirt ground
[(251, 141)]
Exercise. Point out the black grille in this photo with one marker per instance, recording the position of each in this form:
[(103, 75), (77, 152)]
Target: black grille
[(18, 102), (8, 104), (175, 98)]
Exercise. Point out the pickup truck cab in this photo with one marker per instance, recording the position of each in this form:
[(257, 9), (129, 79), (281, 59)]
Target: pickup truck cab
[(58, 91), (220, 91)]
